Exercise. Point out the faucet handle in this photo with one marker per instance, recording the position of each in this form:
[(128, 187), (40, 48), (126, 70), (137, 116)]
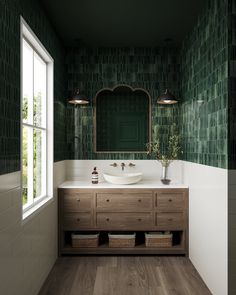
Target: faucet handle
[(113, 165), (131, 165)]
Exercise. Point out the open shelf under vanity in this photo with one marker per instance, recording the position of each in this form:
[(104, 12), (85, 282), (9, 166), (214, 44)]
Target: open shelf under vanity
[(139, 248)]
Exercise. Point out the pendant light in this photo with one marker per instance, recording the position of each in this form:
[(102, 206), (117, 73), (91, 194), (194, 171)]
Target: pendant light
[(167, 98), (78, 99)]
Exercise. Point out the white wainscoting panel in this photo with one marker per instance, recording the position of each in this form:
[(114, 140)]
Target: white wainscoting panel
[(232, 231), (208, 211), (27, 250)]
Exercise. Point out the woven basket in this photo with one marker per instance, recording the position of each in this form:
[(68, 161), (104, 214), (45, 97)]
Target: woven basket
[(85, 240), (160, 240), (121, 240)]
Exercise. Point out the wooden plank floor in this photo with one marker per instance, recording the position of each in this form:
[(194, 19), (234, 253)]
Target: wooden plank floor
[(124, 275)]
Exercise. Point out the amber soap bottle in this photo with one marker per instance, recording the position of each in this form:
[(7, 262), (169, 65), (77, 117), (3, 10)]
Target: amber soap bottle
[(95, 176)]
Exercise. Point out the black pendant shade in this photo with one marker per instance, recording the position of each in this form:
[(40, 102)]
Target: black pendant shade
[(167, 98), (78, 98)]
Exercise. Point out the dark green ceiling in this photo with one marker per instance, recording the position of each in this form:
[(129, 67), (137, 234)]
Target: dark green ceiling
[(122, 22)]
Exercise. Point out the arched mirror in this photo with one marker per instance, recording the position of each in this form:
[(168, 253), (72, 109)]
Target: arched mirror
[(122, 120)]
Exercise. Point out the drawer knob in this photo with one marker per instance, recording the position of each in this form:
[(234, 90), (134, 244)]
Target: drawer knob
[(78, 200), (108, 200), (170, 200), (170, 219), (78, 219), (140, 200), (107, 219), (139, 219)]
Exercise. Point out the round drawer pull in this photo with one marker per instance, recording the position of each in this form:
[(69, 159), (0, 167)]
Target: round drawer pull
[(170, 200), (78, 219), (78, 200), (108, 200), (140, 200), (107, 219), (170, 219), (139, 219)]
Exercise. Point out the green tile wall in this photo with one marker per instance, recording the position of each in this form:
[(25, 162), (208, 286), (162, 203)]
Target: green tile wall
[(91, 69), (32, 12), (204, 77), (198, 74), (232, 86), (203, 69)]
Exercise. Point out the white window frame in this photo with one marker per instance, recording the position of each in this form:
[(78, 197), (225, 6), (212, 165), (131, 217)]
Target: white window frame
[(28, 35)]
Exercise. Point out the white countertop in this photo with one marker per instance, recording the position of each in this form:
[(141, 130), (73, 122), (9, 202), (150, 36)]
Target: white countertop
[(152, 184)]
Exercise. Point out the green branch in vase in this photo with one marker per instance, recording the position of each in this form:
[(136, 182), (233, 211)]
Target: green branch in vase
[(172, 153)]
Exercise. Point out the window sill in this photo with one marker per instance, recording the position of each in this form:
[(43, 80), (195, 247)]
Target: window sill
[(35, 210)]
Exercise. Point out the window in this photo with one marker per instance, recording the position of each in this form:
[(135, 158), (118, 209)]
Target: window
[(36, 122)]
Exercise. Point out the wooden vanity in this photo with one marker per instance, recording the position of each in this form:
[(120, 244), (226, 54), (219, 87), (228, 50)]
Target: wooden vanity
[(123, 209)]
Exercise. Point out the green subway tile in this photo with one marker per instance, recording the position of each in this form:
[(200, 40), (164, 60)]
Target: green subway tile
[(138, 67), (204, 77), (32, 12)]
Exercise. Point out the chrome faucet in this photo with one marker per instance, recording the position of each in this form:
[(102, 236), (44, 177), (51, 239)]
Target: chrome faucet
[(122, 166)]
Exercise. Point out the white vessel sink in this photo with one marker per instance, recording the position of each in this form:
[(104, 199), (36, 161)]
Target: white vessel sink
[(123, 178)]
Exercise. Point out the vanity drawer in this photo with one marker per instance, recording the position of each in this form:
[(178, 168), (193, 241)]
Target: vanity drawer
[(170, 221), (170, 202), (76, 221), (77, 202), (124, 220), (124, 202)]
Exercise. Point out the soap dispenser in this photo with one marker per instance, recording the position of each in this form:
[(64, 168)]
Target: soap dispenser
[(95, 176)]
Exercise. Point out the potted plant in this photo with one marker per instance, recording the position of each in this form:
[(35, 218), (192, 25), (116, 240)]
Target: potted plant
[(170, 153)]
